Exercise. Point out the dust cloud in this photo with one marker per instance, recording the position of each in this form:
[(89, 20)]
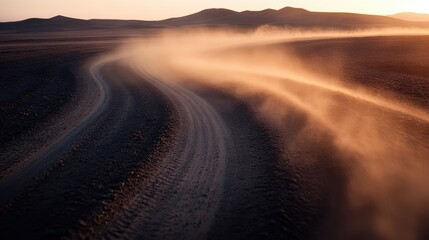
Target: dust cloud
[(386, 193)]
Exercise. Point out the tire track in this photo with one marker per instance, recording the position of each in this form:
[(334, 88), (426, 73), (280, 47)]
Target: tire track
[(181, 200), (15, 181)]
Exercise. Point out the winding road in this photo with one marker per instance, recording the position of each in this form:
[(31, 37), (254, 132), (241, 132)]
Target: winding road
[(165, 145)]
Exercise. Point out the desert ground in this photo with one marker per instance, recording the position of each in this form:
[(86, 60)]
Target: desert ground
[(198, 137)]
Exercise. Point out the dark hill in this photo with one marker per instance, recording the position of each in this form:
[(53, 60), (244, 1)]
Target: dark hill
[(295, 17)]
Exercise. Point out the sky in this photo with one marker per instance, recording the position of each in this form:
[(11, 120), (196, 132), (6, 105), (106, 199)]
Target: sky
[(12, 10)]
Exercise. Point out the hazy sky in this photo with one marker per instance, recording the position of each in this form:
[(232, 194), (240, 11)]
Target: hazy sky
[(160, 9)]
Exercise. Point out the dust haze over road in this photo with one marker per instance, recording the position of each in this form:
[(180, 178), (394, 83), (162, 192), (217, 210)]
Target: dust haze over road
[(225, 134), (382, 141)]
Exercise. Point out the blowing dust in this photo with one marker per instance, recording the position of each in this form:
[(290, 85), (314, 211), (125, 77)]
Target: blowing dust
[(386, 194)]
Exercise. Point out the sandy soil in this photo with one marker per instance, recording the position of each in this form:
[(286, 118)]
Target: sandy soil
[(104, 149)]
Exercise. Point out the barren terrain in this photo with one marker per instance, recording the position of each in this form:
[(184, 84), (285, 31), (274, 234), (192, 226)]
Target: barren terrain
[(214, 137)]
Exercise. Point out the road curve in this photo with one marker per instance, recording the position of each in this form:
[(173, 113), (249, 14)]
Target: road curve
[(148, 158), (14, 182), (179, 201)]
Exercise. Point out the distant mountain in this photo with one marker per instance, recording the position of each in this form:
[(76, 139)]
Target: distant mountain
[(61, 23), (288, 16), (409, 16)]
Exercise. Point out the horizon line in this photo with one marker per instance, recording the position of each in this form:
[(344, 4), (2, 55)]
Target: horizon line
[(238, 11)]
